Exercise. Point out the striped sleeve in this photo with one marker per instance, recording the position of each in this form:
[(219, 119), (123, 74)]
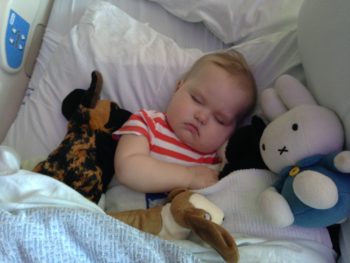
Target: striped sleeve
[(136, 125)]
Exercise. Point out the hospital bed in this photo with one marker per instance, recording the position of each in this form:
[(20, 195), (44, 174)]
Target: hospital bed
[(49, 48)]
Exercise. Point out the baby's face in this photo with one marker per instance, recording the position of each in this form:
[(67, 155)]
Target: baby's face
[(204, 110)]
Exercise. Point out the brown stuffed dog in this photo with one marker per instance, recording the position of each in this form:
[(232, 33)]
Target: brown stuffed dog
[(84, 158), (186, 211)]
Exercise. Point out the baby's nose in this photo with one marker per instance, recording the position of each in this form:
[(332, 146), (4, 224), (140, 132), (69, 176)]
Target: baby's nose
[(201, 116)]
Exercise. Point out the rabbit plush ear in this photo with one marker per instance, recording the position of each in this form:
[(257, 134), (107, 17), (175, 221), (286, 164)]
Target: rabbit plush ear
[(287, 93), (292, 92), (271, 104)]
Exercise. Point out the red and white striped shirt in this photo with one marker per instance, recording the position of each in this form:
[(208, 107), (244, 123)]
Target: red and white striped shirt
[(164, 144)]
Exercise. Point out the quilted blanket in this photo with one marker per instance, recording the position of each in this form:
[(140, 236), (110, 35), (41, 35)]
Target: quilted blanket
[(43, 220), (78, 235)]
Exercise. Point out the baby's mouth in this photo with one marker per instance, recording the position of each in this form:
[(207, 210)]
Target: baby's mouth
[(192, 128)]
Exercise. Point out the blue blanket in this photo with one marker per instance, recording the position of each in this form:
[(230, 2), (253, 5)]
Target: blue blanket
[(77, 235)]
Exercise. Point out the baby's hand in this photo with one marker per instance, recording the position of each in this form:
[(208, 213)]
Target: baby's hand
[(202, 177)]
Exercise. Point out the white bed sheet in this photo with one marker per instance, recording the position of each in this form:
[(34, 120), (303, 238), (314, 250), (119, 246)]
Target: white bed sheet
[(67, 64), (186, 34)]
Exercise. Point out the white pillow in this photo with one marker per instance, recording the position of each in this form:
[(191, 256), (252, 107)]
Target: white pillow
[(233, 20), (272, 55), (140, 68)]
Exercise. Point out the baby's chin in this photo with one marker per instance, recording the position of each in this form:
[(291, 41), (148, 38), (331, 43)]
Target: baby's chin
[(203, 148), (194, 141), (198, 146)]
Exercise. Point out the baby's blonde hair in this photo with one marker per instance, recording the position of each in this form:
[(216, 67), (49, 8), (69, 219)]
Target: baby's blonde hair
[(235, 64)]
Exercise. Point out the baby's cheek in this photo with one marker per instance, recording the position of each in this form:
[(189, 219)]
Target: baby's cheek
[(218, 139), (226, 131), (223, 135)]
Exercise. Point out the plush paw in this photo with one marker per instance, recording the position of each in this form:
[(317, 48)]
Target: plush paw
[(9, 161), (275, 208), (342, 161), (315, 190)]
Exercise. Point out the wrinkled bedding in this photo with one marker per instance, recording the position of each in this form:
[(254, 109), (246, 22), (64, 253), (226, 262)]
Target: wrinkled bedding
[(42, 219), (78, 235)]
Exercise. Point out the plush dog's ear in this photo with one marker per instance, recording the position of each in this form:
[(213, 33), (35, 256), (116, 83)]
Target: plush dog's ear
[(213, 234), (176, 192), (88, 98), (92, 95)]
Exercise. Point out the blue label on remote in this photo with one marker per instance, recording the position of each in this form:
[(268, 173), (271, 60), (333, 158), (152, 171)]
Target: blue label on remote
[(16, 39)]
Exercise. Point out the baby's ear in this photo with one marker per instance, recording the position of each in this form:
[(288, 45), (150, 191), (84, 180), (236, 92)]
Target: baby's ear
[(179, 84)]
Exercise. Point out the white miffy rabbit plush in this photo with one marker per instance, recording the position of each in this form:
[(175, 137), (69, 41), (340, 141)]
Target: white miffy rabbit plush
[(303, 144)]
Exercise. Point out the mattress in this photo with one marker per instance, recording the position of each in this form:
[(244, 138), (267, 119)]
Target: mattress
[(270, 56)]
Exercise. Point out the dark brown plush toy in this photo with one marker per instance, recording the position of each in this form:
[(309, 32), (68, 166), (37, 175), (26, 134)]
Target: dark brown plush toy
[(243, 148), (84, 159)]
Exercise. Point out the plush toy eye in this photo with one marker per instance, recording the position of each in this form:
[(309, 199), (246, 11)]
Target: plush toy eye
[(295, 127), (263, 147), (207, 216)]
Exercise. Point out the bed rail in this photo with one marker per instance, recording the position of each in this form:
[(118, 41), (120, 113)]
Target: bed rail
[(21, 33)]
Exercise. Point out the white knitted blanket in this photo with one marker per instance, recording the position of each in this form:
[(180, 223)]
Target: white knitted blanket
[(237, 195)]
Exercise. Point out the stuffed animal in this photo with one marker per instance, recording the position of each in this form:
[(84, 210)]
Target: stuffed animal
[(303, 144), (242, 149), (84, 159), (186, 211)]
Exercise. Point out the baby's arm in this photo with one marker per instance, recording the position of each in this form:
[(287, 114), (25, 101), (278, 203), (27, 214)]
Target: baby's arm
[(136, 169)]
